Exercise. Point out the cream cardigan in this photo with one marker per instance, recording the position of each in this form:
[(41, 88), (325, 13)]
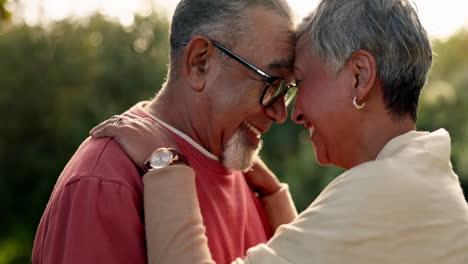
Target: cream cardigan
[(407, 206)]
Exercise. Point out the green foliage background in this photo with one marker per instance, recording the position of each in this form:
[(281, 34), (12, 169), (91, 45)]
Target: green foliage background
[(4, 13), (57, 82)]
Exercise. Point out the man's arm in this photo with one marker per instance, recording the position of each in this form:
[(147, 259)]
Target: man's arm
[(279, 207), (274, 196), (93, 221)]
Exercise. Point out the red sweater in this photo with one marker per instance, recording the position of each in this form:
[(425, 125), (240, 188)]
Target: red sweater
[(95, 213), (232, 214)]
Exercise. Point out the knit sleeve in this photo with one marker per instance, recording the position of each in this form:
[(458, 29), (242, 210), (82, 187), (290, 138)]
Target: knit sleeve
[(94, 221)]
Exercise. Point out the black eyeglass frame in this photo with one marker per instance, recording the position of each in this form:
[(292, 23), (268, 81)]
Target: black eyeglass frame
[(270, 79)]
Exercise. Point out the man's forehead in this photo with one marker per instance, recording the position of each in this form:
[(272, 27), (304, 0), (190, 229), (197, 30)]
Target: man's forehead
[(287, 61), (279, 64), (285, 50), (272, 40)]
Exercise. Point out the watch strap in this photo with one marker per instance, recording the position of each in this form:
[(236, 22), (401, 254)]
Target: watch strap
[(177, 158)]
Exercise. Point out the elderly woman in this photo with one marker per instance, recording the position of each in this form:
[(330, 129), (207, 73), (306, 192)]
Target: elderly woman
[(360, 67)]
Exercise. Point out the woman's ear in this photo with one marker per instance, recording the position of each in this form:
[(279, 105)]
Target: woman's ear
[(196, 63), (364, 70)]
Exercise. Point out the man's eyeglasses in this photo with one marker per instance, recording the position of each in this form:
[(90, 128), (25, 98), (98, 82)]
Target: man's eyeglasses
[(275, 86)]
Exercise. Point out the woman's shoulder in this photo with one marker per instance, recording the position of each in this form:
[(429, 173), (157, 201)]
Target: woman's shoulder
[(379, 182)]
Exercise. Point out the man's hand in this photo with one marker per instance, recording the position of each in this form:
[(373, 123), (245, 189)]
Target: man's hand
[(138, 136), (261, 179)]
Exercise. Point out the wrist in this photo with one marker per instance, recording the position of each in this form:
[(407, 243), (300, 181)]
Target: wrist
[(163, 157), (269, 189)]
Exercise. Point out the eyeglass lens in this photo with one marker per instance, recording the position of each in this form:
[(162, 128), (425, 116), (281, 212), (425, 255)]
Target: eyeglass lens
[(276, 89)]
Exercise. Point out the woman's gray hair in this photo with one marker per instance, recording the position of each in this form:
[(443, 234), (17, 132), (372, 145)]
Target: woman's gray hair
[(224, 20), (389, 29)]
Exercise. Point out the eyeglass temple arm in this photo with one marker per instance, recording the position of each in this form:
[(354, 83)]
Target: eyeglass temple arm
[(239, 59)]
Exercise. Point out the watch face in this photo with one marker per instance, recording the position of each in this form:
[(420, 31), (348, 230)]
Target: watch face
[(162, 158)]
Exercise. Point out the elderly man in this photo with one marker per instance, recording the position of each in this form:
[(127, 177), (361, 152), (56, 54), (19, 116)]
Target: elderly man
[(230, 67)]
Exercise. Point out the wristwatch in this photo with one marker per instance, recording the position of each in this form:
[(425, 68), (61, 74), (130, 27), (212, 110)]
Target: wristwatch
[(163, 157)]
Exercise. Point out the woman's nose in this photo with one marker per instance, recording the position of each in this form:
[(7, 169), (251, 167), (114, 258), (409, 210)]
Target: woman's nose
[(297, 115)]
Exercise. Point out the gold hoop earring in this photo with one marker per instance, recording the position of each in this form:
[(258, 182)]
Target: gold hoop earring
[(358, 107)]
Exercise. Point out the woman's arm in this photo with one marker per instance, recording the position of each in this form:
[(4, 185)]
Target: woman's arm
[(174, 226)]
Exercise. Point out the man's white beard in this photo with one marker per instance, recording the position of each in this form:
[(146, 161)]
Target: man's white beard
[(240, 153)]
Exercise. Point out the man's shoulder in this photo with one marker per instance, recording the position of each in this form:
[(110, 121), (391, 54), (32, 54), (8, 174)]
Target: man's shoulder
[(96, 204), (103, 159)]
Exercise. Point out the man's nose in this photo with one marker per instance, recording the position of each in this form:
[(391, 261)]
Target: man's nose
[(297, 116), (277, 111)]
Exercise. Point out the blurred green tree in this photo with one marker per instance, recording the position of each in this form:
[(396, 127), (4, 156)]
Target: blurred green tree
[(443, 101), (4, 13)]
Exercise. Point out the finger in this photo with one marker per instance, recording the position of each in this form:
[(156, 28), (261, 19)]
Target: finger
[(154, 128), (132, 115), (116, 121), (136, 120), (101, 125), (109, 130), (149, 121), (136, 123), (146, 120), (119, 118)]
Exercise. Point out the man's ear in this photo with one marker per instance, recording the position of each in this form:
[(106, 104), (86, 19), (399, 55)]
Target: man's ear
[(197, 61), (364, 70)]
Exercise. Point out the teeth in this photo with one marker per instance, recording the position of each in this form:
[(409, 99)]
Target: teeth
[(252, 128), (311, 130)]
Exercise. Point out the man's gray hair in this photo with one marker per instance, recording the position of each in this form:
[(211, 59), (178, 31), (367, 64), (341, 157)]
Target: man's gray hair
[(389, 29), (223, 20)]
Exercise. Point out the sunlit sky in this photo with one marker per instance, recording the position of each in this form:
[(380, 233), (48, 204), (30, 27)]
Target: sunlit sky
[(440, 18)]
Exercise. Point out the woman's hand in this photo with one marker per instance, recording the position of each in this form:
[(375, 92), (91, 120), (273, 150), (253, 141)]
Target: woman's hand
[(138, 136), (261, 179)]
